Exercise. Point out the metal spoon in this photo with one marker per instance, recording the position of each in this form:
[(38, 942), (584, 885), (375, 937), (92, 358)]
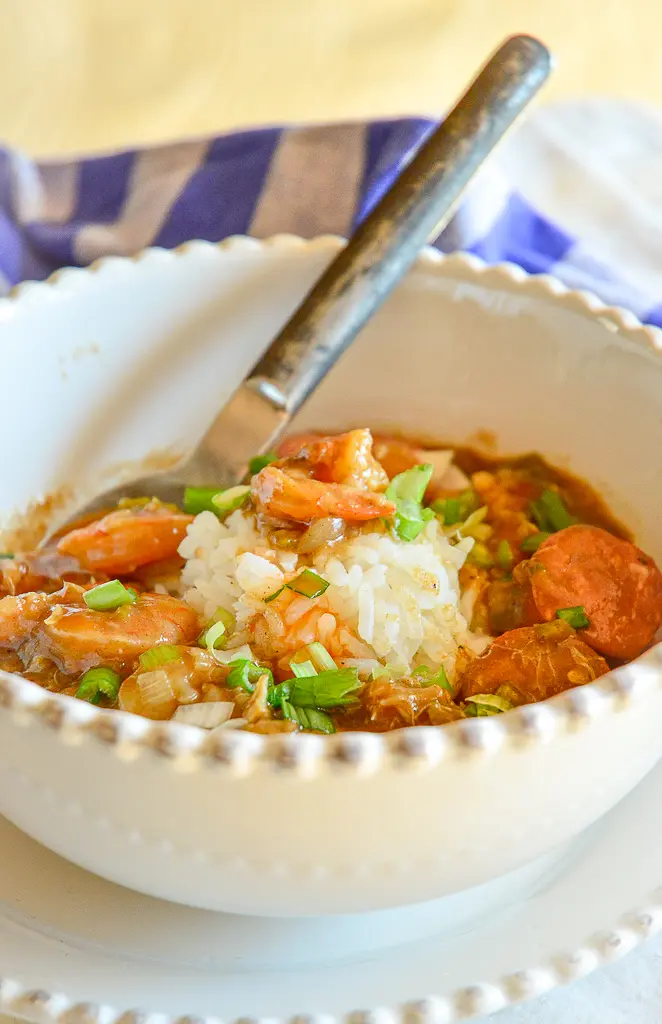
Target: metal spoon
[(415, 209)]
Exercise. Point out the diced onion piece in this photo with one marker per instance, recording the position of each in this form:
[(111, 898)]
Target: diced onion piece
[(228, 501), (156, 694), (106, 597), (208, 715), (321, 533), (232, 723)]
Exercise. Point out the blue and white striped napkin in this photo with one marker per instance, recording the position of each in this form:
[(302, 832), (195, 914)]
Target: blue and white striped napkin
[(325, 179)]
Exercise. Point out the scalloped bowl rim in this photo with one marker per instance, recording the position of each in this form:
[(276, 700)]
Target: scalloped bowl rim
[(191, 748)]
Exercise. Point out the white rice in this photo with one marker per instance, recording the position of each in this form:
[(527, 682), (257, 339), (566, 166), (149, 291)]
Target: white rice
[(388, 601)]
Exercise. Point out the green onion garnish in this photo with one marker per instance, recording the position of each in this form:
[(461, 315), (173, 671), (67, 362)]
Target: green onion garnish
[(245, 674), (260, 461), (556, 511), (307, 583), (6, 554), (199, 499), (321, 658), (308, 718), (550, 512), (215, 636), (427, 676), (301, 669), (163, 654), (504, 554), (487, 704), (227, 501), (480, 556), (279, 693), (97, 683), (109, 596), (458, 509), (407, 490), (326, 690), (575, 616), (532, 543)]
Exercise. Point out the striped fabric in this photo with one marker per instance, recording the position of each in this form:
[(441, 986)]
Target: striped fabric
[(306, 181)]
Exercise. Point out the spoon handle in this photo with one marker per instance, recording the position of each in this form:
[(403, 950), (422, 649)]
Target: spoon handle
[(377, 256), (414, 210)]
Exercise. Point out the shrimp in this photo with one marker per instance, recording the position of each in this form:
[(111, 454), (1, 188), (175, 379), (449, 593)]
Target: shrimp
[(78, 638), (123, 540), (538, 661), (22, 614), (282, 495), (339, 458), (619, 587)]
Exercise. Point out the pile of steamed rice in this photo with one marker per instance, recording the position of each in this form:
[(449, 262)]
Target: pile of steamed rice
[(389, 602)]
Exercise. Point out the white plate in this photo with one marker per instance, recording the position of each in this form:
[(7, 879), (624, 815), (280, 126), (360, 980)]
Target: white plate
[(65, 931)]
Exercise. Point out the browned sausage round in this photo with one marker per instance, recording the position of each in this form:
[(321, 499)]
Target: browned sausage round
[(619, 587), (538, 661)]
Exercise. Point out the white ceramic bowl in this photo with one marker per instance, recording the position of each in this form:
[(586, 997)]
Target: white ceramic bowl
[(104, 366)]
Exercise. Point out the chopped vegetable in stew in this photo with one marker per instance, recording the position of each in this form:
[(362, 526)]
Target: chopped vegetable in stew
[(353, 583)]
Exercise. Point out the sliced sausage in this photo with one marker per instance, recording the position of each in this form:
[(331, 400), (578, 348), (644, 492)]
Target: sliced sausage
[(538, 661), (619, 587)]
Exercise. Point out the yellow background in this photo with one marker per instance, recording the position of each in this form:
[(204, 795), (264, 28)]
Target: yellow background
[(83, 74)]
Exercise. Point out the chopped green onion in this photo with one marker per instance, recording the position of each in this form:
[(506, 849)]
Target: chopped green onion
[(488, 704), (245, 674), (539, 517), (326, 690), (308, 718), (213, 637), (226, 617), (426, 675), (321, 658), (556, 511), (199, 499), (109, 596), (97, 683), (307, 583), (260, 461), (407, 490), (504, 554), (480, 556), (227, 501), (163, 654), (575, 616), (301, 669), (279, 693), (458, 509), (6, 554), (532, 543)]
